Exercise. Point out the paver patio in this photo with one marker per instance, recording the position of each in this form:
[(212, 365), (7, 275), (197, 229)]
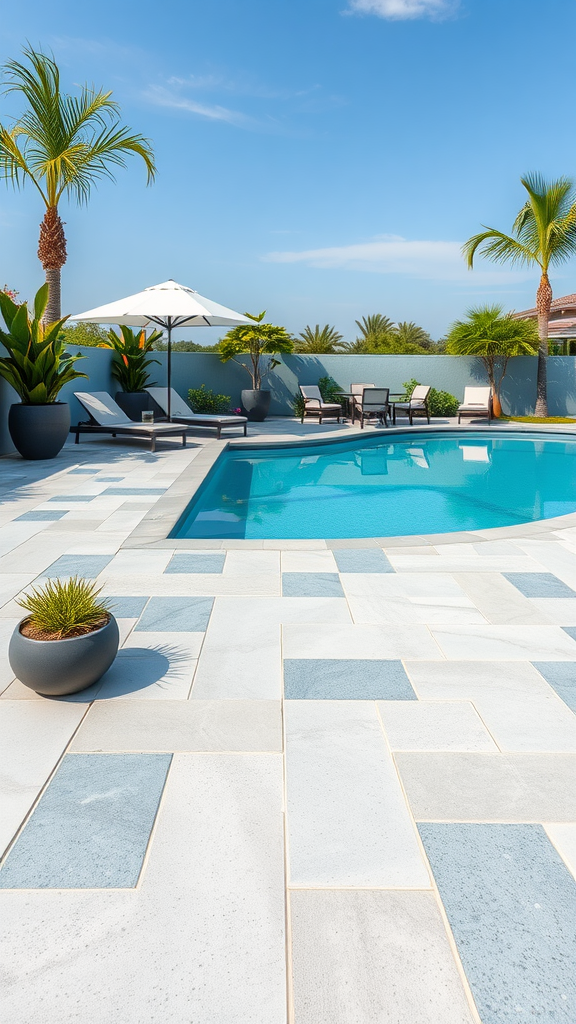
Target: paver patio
[(324, 782)]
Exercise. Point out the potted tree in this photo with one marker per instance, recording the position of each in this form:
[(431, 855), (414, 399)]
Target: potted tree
[(495, 338), (261, 342), (130, 364), (68, 639), (37, 367)]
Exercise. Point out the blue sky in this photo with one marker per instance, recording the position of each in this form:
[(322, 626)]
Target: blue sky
[(322, 159)]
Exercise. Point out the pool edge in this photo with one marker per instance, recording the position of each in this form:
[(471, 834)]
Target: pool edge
[(154, 529)]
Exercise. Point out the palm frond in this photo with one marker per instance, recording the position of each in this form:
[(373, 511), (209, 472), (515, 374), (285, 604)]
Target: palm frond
[(64, 143)]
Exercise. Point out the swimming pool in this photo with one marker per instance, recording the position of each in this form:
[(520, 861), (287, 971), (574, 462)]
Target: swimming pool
[(384, 487)]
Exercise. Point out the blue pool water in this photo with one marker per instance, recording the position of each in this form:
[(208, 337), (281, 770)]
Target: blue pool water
[(380, 487)]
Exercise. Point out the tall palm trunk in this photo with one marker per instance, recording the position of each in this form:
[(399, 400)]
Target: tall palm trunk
[(52, 255), (543, 304)]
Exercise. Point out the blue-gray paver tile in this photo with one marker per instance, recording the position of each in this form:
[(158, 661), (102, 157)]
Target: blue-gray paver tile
[(539, 584), (186, 562), (63, 498), (88, 566), (346, 679), (176, 615), (511, 905), (91, 827), (135, 490), (562, 677), (311, 584), (47, 515), (362, 560), (127, 607)]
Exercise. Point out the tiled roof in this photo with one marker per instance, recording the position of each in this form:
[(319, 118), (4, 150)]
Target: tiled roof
[(564, 302)]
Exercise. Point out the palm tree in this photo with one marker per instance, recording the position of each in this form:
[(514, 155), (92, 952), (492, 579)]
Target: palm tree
[(409, 333), (544, 233), (317, 340), (63, 145), (494, 337), (374, 331)]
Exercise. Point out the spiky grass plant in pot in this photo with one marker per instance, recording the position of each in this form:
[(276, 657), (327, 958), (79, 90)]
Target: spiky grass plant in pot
[(67, 640)]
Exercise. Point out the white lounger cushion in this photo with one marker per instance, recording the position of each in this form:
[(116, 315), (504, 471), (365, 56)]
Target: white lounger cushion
[(103, 408), (183, 411), (476, 398)]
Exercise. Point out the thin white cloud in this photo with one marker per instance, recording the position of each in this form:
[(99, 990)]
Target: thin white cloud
[(403, 10), (392, 254), (164, 97)]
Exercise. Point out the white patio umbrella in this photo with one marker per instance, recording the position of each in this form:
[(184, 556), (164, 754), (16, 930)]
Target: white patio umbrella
[(168, 305)]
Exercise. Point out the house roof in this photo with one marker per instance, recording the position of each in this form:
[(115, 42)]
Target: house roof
[(565, 302)]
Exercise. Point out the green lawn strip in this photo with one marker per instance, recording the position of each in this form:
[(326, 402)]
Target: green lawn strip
[(539, 419)]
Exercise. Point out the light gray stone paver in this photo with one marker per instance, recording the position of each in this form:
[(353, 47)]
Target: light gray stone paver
[(373, 956), (358, 641), (505, 643), (347, 819), (180, 725), (426, 725), (519, 708), (402, 598), (489, 787), (500, 602)]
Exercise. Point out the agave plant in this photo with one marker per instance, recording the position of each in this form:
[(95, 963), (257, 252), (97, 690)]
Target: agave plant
[(130, 363), (37, 365), (65, 608)]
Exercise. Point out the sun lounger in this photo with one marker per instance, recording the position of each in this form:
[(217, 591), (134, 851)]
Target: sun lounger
[(477, 403), (106, 417), (315, 406), (182, 413), (417, 404)]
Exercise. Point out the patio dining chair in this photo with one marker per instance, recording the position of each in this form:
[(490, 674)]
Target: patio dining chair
[(315, 406), (357, 390), (477, 403), (375, 405), (417, 405)]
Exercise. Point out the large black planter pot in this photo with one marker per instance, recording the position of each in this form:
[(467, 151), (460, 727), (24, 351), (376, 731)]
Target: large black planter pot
[(133, 403), (39, 431), (255, 404), (58, 667)]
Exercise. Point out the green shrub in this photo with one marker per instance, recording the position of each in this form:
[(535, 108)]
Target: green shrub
[(329, 389), (61, 609), (440, 403), (202, 399), (299, 405)]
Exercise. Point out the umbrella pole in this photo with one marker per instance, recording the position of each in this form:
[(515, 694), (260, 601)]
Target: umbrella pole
[(169, 368)]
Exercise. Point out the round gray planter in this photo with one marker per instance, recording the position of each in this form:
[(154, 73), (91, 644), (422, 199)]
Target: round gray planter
[(39, 431), (58, 667), (133, 403), (255, 405)]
